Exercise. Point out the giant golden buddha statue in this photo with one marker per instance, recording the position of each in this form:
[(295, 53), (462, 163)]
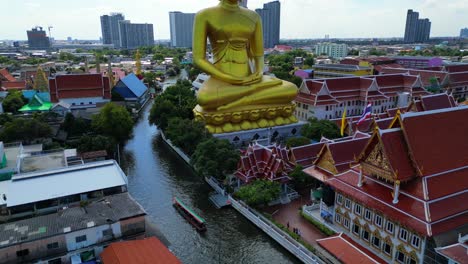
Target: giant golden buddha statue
[(237, 96)]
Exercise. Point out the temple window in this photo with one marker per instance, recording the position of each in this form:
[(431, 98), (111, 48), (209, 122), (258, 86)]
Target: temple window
[(368, 215), (365, 234), (356, 229), (338, 218), (358, 209), (400, 257), (415, 241), (378, 220), (346, 222), (376, 242), (390, 227), (347, 204), (387, 248), (339, 199), (403, 234)]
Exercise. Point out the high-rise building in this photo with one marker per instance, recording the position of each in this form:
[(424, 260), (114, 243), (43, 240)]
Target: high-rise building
[(331, 49), (133, 35), (243, 3), (416, 29), (37, 38), (464, 33), (110, 28), (181, 29), (270, 14)]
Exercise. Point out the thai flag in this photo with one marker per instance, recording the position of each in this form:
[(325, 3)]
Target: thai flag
[(366, 115)]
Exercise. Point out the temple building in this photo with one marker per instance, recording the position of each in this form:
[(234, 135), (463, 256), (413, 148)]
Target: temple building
[(407, 193), (328, 98)]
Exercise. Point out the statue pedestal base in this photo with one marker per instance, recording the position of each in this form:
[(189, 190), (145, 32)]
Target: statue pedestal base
[(246, 118)]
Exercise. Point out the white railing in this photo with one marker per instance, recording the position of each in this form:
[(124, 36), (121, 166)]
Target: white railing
[(213, 182), (276, 233)]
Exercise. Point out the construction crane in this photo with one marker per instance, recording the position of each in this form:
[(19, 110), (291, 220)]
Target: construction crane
[(50, 35)]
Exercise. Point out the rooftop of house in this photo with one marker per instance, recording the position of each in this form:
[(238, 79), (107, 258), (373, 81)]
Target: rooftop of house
[(108, 210), (44, 185), (45, 160), (149, 250)]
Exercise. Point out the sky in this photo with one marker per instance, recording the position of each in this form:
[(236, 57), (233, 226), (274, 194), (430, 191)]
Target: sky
[(300, 19)]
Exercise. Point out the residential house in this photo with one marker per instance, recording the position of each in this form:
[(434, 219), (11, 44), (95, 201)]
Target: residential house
[(132, 89)]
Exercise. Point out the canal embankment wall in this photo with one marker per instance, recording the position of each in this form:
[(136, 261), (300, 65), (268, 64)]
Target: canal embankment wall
[(280, 236)]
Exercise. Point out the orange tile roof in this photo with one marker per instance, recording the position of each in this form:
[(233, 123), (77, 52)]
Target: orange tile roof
[(146, 251), (6, 75), (348, 251)]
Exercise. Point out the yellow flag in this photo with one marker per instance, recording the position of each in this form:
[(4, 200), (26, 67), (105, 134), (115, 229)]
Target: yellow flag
[(343, 122)]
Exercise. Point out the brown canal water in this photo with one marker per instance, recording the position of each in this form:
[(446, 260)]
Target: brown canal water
[(156, 175)]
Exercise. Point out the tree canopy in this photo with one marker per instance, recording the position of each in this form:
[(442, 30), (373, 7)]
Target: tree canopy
[(22, 129), (13, 102), (300, 179), (297, 142), (186, 134), (177, 101), (215, 157), (259, 192), (316, 129), (113, 121)]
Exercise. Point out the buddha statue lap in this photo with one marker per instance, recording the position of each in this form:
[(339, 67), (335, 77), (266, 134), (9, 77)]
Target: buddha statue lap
[(237, 96)]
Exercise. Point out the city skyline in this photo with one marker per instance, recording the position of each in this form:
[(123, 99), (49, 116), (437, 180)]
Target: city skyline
[(337, 18)]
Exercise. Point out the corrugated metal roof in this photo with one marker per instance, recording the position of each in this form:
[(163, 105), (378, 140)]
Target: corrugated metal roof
[(51, 184), (135, 84)]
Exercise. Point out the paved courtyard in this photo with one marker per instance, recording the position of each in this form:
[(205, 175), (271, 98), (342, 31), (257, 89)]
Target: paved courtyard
[(289, 213)]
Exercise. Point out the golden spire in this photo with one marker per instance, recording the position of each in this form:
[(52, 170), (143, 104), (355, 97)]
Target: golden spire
[(138, 62), (41, 83)]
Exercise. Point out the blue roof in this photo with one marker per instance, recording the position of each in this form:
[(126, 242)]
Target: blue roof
[(134, 84)]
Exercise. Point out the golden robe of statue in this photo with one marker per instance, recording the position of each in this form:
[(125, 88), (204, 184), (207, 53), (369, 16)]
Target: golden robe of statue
[(237, 96)]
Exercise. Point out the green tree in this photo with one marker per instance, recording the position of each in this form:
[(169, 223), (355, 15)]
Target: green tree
[(21, 129), (259, 192), (309, 61), (297, 142), (186, 134), (215, 157), (300, 179), (176, 101), (13, 102), (316, 129), (93, 143), (40, 81), (150, 79), (4, 117), (113, 121)]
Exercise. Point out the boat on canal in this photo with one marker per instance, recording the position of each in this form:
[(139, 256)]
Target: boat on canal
[(189, 215)]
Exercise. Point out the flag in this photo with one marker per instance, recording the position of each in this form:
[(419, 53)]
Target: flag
[(343, 122), (366, 115)]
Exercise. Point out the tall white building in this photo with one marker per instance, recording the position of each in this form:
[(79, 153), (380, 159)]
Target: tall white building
[(181, 25), (332, 49)]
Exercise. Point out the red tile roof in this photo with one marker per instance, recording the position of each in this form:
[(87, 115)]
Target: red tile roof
[(260, 162), (437, 139), (347, 251), (456, 252), (144, 251), (437, 101), (6, 76), (16, 85), (79, 86), (306, 155), (336, 90), (456, 68)]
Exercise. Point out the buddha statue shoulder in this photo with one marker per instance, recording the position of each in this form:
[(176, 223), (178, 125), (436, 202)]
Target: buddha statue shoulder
[(236, 80)]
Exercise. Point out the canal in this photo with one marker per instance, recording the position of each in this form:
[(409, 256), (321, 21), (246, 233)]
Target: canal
[(156, 175)]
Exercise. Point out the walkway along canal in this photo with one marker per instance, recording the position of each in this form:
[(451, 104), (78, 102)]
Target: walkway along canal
[(156, 174)]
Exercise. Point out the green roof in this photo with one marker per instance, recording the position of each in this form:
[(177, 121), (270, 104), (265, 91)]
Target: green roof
[(190, 210), (46, 106)]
